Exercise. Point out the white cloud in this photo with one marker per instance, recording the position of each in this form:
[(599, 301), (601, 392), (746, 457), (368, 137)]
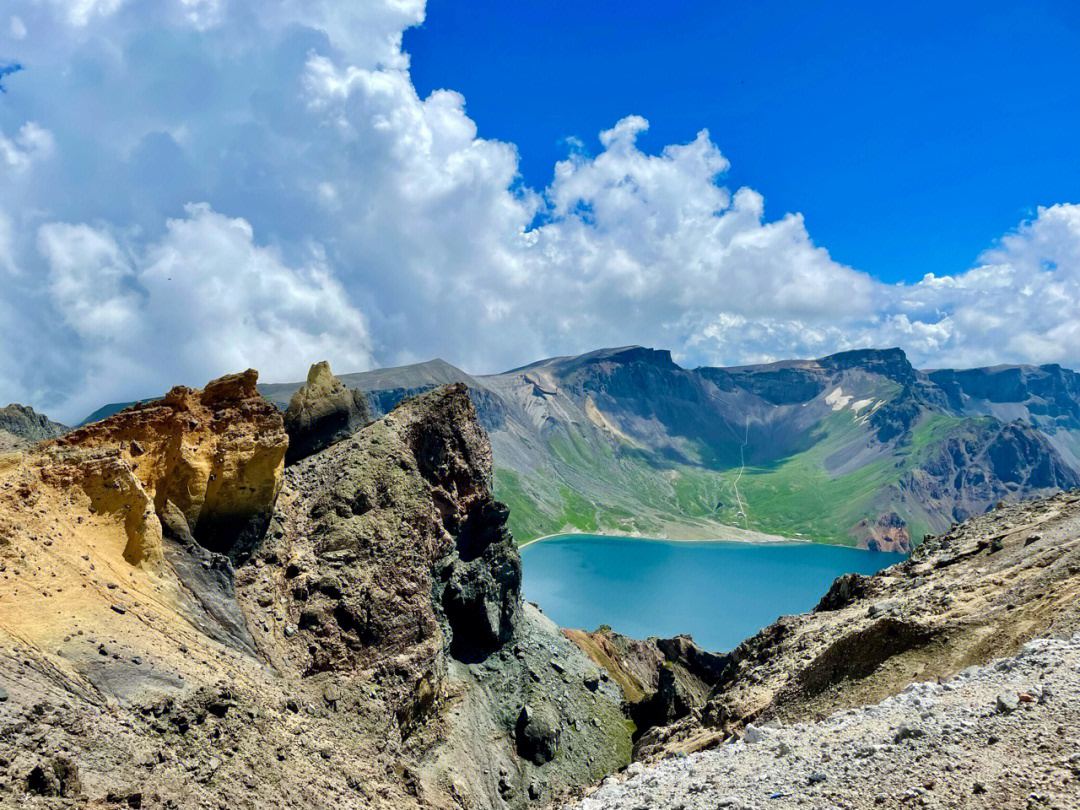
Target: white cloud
[(18, 154), (79, 13), (202, 301), (17, 27), (347, 217), (89, 280), (1020, 304)]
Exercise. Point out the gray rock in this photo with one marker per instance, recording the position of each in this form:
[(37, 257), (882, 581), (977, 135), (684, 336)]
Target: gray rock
[(753, 734), (908, 733), (536, 735), (1007, 702), (881, 608), (322, 413)]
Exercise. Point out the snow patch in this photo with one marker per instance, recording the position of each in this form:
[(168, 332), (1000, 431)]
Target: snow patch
[(860, 404), (837, 399)]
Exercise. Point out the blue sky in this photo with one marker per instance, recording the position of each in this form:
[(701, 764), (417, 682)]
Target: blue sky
[(909, 135), (193, 187)]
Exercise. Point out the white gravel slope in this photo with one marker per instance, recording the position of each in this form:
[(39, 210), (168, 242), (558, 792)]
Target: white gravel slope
[(1000, 736)]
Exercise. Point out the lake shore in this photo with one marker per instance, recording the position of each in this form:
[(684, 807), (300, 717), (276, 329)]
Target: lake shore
[(757, 538)]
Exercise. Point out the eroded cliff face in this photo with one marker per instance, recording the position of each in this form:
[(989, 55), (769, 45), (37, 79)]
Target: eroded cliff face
[(216, 454), (371, 650)]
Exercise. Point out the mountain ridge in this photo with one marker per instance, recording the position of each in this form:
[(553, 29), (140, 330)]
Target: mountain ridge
[(870, 450)]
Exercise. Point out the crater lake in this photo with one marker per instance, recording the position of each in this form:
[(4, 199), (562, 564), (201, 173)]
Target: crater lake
[(718, 592)]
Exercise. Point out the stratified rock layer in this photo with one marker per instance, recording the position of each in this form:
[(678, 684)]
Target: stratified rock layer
[(216, 454)]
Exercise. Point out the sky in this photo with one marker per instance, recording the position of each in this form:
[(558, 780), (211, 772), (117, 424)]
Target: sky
[(942, 124), (193, 187)]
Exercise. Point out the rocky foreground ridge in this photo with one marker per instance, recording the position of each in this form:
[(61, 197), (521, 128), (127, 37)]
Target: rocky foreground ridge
[(186, 622), (189, 617), (1003, 735), (978, 592)]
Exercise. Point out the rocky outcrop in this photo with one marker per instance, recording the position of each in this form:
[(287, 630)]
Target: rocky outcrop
[(21, 426), (371, 651), (887, 533), (322, 413), (663, 680), (216, 454), (389, 554)]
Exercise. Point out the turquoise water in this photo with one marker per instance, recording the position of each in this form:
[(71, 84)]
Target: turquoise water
[(720, 593)]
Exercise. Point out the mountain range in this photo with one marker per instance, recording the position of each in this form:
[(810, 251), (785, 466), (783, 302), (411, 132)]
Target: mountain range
[(855, 448), (192, 619)]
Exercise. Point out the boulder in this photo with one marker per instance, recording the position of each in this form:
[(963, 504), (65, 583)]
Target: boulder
[(845, 590), (322, 413), (57, 777), (536, 735)]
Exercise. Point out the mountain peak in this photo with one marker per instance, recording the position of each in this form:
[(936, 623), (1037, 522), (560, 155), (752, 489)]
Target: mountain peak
[(620, 355), (891, 363)]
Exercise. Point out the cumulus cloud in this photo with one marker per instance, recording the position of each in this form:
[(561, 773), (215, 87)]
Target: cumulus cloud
[(203, 300), (18, 154), (1020, 303), (286, 195)]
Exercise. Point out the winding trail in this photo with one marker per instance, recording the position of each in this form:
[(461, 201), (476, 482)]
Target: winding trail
[(742, 467)]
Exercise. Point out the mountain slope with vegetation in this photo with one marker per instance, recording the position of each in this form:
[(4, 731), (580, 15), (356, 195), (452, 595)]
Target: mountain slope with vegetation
[(855, 448), (22, 426)]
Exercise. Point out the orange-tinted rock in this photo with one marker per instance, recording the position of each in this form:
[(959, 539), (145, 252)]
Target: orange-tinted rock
[(887, 533), (216, 454)]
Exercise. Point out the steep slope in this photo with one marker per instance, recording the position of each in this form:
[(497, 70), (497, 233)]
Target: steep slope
[(369, 650)]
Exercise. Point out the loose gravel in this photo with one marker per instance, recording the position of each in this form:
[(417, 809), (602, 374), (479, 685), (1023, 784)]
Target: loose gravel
[(1004, 735)]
